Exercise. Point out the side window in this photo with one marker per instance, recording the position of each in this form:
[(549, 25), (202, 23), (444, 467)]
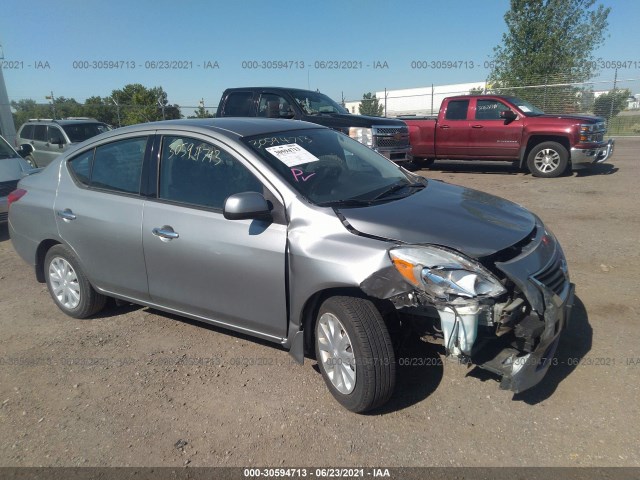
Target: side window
[(274, 106), (55, 136), (80, 166), (27, 132), (40, 133), (489, 109), (118, 165), (457, 110), (200, 173), (239, 104)]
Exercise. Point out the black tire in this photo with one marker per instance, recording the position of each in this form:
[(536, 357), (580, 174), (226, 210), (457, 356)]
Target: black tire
[(373, 367), (422, 162), (548, 160), (88, 301), (29, 159)]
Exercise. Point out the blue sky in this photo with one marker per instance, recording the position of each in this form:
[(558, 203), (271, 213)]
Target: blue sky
[(360, 31)]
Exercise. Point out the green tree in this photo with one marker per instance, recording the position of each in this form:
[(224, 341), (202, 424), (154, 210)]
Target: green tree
[(609, 104), (549, 42), (370, 105), (139, 104), (201, 112)]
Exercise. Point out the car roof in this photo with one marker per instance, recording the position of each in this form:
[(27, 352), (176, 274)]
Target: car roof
[(228, 126), (75, 121)]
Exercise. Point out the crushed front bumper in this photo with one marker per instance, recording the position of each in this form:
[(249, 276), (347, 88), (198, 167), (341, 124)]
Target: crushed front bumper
[(582, 157), (520, 372)]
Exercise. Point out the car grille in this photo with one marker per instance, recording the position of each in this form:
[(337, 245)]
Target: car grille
[(553, 276), (7, 187), (4, 216), (391, 137)]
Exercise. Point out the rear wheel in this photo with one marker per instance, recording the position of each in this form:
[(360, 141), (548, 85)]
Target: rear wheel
[(548, 160), (68, 285), (355, 353)]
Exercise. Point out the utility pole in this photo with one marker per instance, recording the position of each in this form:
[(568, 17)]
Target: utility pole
[(117, 111), (202, 111), (53, 103), (7, 127), (161, 104), (612, 94)]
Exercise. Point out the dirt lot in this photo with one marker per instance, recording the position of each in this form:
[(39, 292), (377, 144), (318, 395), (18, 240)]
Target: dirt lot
[(139, 387)]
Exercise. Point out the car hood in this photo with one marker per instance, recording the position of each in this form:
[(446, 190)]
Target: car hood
[(576, 118), (472, 222), (348, 120), (10, 169)]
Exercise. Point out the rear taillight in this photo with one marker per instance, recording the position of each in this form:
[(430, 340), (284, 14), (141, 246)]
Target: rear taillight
[(15, 196)]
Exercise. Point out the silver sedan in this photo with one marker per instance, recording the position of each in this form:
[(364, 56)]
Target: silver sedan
[(299, 235)]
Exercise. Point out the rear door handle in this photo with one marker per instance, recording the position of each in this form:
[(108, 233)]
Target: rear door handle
[(477, 126), (66, 214), (165, 233)]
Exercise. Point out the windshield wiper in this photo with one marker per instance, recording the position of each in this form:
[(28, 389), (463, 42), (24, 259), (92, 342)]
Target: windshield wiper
[(348, 202), (396, 187)]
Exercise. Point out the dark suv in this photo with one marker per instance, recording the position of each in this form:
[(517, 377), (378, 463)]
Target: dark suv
[(42, 140)]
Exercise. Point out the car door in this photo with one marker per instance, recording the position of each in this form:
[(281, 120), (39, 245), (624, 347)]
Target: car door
[(40, 143), (99, 210), (492, 136), (56, 142), (452, 130), (228, 272)]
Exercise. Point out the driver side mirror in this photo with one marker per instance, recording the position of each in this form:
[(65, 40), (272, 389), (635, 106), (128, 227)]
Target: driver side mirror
[(508, 115), (246, 205), (24, 150)]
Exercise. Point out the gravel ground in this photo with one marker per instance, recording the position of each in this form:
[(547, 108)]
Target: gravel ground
[(138, 387)]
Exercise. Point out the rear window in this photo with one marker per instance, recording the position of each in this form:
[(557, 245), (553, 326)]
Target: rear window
[(79, 132), (40, 133), (115, 166), (27, 132), (239, 104), (457, 110)]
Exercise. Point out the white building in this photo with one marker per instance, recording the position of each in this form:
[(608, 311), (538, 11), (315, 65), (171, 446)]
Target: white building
[(418, 101)]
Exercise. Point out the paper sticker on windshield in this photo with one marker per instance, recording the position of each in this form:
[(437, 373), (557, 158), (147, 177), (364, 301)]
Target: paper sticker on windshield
[(291, 154), (524, 109)]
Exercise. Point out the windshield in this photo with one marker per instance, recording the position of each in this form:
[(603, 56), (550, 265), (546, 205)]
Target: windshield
[(5, 150), (79, 132), (316, 103), (525, 107), (329, 168)]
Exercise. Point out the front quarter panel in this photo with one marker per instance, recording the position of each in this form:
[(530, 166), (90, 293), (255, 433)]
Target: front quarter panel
[(323, 255)]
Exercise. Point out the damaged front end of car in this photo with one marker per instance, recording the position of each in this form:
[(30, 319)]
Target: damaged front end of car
[(503, 313)]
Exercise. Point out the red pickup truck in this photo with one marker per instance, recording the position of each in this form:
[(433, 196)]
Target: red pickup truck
[(493, 127)]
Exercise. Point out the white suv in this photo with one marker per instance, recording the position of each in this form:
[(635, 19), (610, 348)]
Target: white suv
[(42, 140)]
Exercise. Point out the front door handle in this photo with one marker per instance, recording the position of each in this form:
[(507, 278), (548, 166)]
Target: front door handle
[(477, 126), (165, 233), (444, 126), (66, 214)]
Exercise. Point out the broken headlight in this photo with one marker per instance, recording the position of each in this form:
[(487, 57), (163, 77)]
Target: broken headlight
[(443, 273)]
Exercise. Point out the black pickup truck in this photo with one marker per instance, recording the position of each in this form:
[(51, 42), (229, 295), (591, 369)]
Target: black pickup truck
[(387, 136)]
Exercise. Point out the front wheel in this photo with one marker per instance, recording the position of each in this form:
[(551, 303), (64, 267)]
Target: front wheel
[(68, 284), (548, 160), (32, 163), (355, 353), (422, 162)]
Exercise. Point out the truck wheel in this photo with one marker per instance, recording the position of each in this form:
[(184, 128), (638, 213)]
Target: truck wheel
[(355, 353), (68, 285), (422, 162), (548, 159)]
